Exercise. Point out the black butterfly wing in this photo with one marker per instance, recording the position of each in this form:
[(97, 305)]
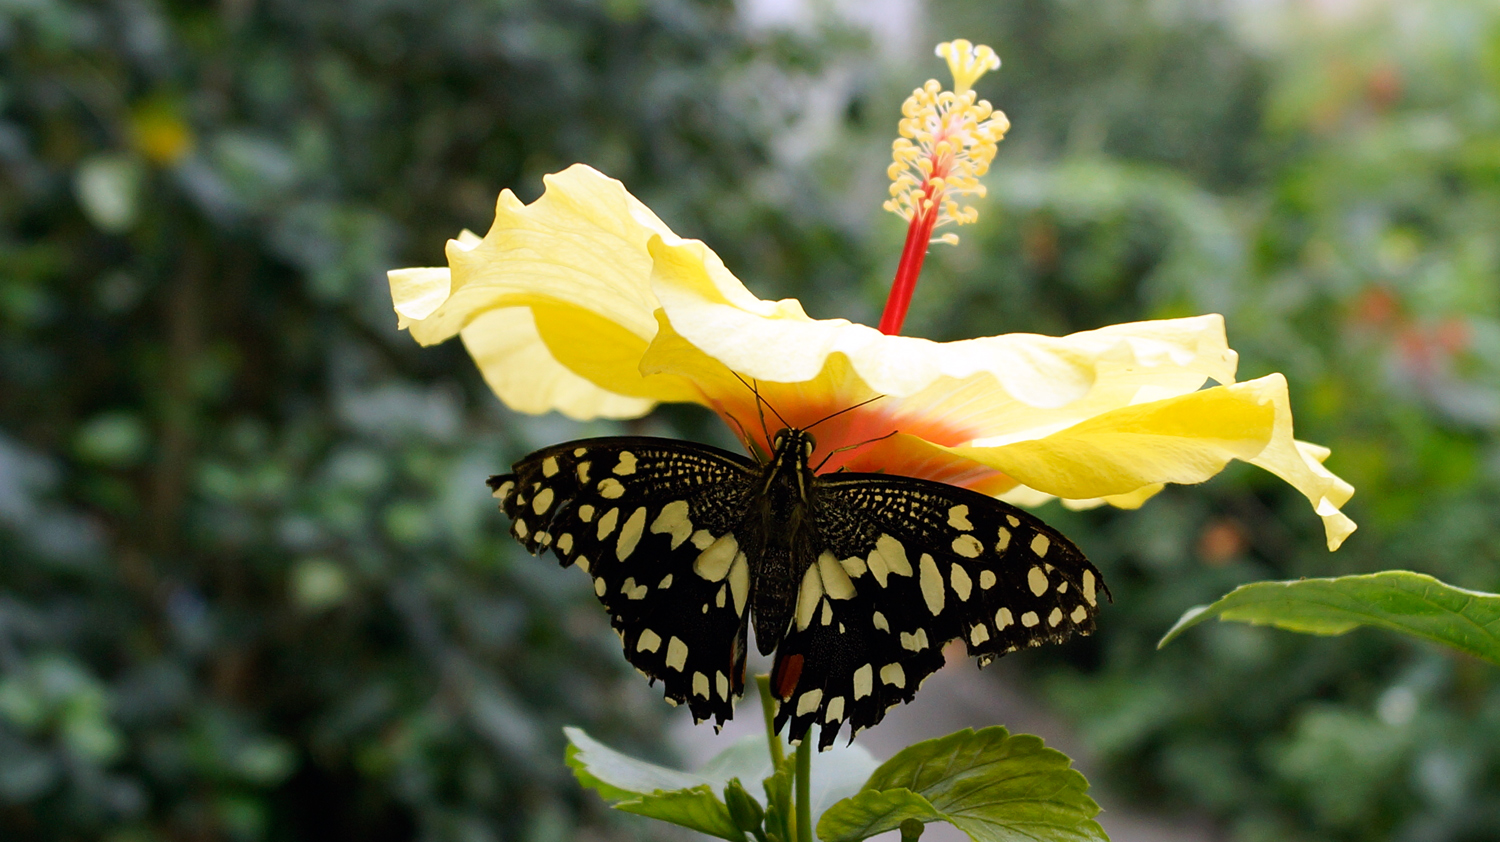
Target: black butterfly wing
[(903, 566), (653, 522)]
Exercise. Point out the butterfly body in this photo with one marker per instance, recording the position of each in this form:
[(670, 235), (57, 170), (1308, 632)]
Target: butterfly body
[(781, 508), (854, 581)]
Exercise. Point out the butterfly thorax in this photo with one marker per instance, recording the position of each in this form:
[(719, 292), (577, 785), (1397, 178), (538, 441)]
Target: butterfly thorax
[(782, 506)]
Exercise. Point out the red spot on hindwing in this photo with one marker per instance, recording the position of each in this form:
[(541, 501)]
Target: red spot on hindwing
[(784, 676)]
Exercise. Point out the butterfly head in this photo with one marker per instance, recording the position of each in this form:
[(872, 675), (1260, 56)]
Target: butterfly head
[(792, 446)]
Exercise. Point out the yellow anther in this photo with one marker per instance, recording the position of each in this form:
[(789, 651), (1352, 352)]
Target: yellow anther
[(948, 139)]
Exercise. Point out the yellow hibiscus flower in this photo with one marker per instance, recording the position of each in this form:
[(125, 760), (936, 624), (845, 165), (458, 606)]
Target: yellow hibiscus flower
[(585, 303)]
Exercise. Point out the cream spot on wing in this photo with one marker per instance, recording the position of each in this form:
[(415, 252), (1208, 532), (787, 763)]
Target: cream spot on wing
[(520, 528), (1014, 521), (880, 622), (1003, 542), (583, 472), (543, 538), (864, 681), (1030, 619), (700, 685), (630, 533), (876, 564), (583, 563), (827, 618), (893, 674), (835, 580), (1055, 617), (978, 635), (713, 563), (586, 513), (894, 553), (808, 596), (504, 490), (599, 586), (719, 597), (666, 582), (962, 585), (915, 642), (1003, 618), (967, 546), (932, 585), (1037, 581), (650, 641), (835, 709), (632, 590), (1040, 544), (854, 566), (611, 489), (721, 683), (627, 464), (986, 579), (549, 466), (677, 653), (542, 500), (702, 539), (674, 521), (565, 542), (607, 523), (1088, 587), (579, 451), (958, 518), (809, 702), (1079, 614), (1062, 587), (739, 582)]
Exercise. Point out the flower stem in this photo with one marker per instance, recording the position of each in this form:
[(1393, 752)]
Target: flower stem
[(918, 238), (768, 709), (804, 788), (911, 830)]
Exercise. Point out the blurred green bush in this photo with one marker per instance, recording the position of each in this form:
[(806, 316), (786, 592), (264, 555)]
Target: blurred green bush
[(251, 588)]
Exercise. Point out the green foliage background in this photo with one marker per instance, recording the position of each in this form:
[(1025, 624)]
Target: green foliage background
[(251, 586)]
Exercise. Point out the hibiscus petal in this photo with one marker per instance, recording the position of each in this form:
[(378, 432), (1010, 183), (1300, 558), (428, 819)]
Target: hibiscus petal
[(576, 261), (776, 341), (1125, 454), (524, 374)]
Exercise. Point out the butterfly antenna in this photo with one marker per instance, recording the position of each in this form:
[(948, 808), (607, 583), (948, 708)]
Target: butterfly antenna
[(768, 406), (842, 411), (745, 438), (759, 405), (852, 446)]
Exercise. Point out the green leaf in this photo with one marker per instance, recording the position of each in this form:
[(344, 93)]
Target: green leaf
[(646, 789), (778, 786), (1398, 600), (743, 808), (691, 799), (993, 786), (837, 773)]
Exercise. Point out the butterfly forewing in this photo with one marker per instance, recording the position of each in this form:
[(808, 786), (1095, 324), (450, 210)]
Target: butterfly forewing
[(904, 566), (654, 522)]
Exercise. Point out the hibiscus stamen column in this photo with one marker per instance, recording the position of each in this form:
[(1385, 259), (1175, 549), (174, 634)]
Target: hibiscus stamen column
[(948, 139)]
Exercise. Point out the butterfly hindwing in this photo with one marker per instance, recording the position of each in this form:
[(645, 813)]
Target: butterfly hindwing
[(903, 566), (654, 522)]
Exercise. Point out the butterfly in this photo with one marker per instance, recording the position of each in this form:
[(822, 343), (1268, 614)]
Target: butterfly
[(855, 581)]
